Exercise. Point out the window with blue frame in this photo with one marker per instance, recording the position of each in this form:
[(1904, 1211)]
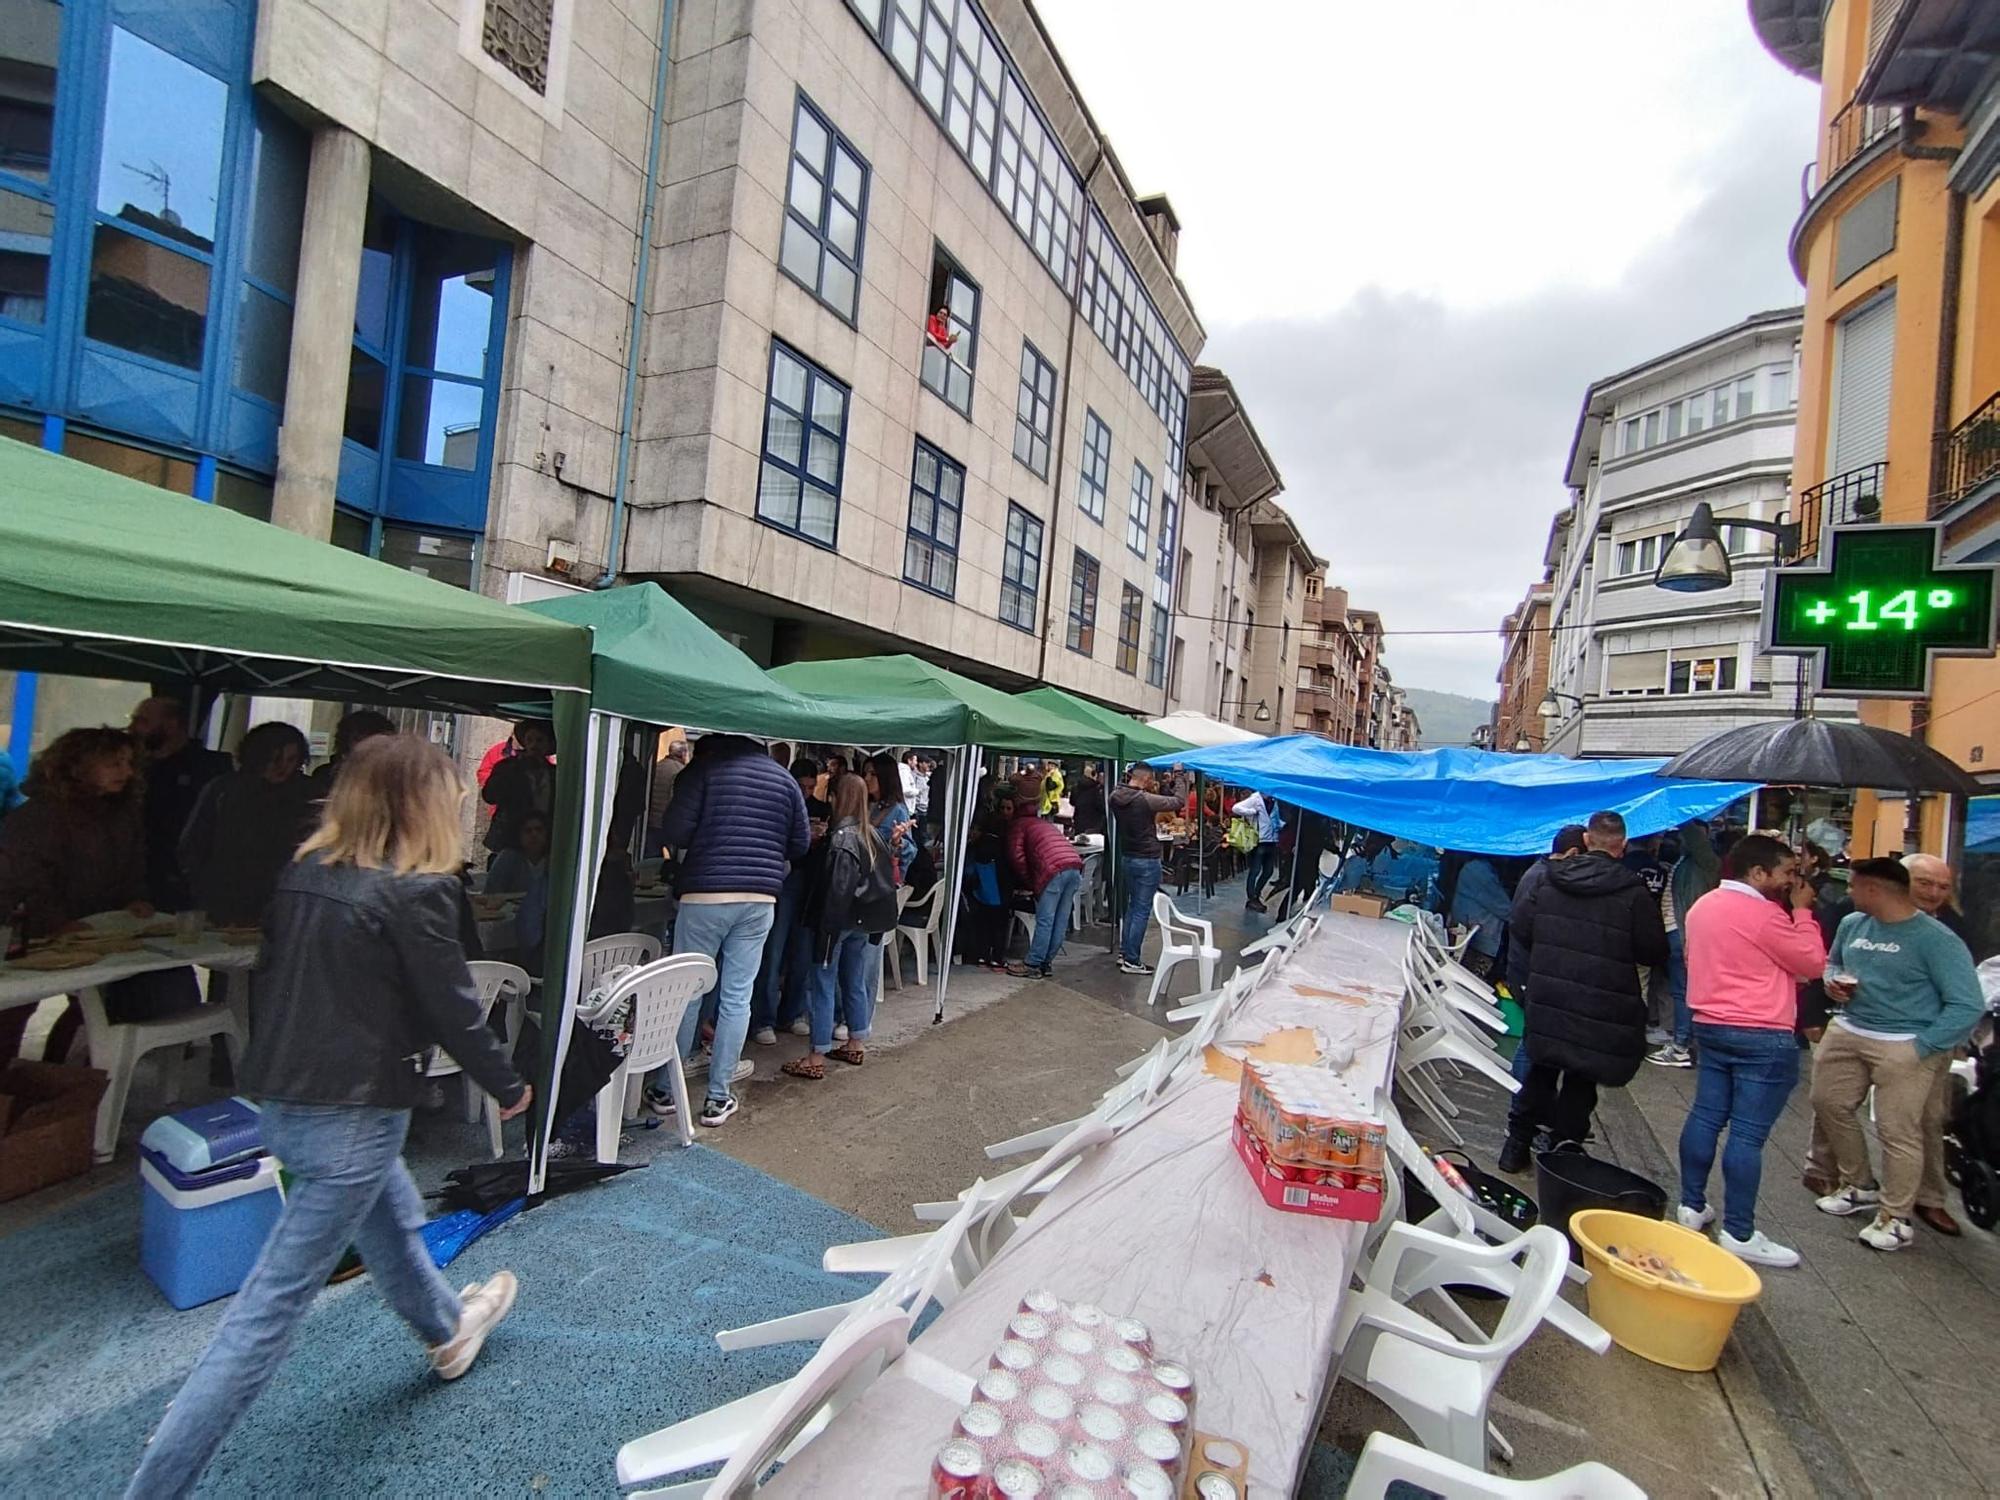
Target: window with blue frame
[(423, 375), (805, 446), (937, 495)]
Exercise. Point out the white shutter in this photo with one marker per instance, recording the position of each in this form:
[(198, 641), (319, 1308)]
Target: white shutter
[(1865, 348), (1635, 672)]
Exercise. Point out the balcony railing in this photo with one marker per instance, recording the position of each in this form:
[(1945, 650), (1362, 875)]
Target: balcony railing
[(1971, 456), (1853, 131), (1844, 500)]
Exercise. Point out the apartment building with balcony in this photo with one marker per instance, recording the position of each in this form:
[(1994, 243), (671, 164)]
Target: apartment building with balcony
[(505, 292), (1524, 671), (1329, 664), (1898, 246), (1636, 669)]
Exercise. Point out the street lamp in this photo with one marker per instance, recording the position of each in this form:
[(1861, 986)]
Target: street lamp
[(1696, 561), (1522, 744), (1552, 702), (1262, 712)]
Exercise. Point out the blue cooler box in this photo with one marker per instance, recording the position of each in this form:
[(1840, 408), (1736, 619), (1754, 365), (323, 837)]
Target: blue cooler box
[(201, 1232)]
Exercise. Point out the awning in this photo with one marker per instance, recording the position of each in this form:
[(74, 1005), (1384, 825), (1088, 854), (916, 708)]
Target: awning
[(1475, 800), (1136, 740), (1199, 729), (957, 710)]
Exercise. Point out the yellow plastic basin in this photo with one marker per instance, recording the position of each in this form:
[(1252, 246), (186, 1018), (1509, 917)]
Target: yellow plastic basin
[(1681, 1327)]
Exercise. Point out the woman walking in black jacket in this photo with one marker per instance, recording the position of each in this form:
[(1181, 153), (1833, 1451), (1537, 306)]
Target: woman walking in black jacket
[(850, 903), (361, 973)]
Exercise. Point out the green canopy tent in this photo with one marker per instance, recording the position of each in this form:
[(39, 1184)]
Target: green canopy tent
[(106, 576), (979, 717)]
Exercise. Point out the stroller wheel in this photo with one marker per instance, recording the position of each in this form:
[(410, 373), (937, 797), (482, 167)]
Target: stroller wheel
[(1954, 1162), (1982, 1193)]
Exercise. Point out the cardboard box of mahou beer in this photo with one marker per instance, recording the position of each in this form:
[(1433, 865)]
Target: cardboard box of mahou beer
[(1310, 1146)]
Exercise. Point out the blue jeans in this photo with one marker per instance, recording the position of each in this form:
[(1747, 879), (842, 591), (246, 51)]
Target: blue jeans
[(781, 983), (1052, 909), (1142, 879), (851, 970), (349, 1187), (1262, 863), (1745, 1075), (732, 933), (1677, 986)]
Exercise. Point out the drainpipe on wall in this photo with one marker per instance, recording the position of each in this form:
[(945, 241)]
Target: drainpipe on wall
[(628, 406)]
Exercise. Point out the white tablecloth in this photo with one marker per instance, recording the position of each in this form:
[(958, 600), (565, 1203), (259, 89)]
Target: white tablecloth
[(20, 986), (1164, 1224)]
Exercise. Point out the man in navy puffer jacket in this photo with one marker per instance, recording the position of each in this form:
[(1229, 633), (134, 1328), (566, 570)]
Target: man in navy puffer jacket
[(736, 823)]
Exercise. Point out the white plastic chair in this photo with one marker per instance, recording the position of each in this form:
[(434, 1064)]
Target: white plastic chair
[(117, 1048), (1386, 1460), (509, 981), (769, 1426), (601, 955), (929, 1267), (1438, 1384), (1182, 938), (661, 992), (1122, 1104), (1083, 910), (925, 940), (886, 949), (494, 981)]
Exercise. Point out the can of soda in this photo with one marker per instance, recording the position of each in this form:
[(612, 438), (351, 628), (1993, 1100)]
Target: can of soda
[(1213, 1484), (1073, 1340), (1157, 1443), (1167, 1409), (1132, 1332), (1088, 1463), (1175, 1378), (1029, 1328), (1001, 1387), (1114, 1390), (1122, 1360), (955, 1472), (1051, 1403), (1085, 1315), (1013, 1355), (1037, 1441), (1041, 1303), (1075, 1491), (1148, 1481), (1101, 1423), (1063, 1369), (1016, 1479), (982, 1422)]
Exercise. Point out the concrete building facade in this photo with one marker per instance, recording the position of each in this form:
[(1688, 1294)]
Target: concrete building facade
[(1635, 669), (1524, 672)]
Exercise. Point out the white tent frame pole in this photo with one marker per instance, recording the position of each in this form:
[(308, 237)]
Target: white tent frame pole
[(958, 813), (1114, 877), (598, 792), (1200, 846)]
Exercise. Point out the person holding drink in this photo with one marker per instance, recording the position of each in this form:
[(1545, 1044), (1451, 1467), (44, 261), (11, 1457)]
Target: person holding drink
[(1904, 994)]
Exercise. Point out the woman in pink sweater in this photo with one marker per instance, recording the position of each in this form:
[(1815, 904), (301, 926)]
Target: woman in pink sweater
[(1749, 944)]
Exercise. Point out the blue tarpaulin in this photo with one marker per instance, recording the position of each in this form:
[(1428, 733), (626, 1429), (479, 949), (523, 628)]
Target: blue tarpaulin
[(1474, 800)]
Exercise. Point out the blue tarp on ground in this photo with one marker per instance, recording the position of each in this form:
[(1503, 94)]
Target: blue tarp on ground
[(1474, 800)]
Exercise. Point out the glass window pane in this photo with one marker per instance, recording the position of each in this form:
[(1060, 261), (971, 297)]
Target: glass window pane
[(812, 140), (27, 225), (168, 179), (33, 33), (365, 396), (837, 286), (947, 526), (847, 176), (953, 482), (444, 556), (820, 515), (927, 470), (805, 194), (247, 497), (263, 345), (799, 254), (371, 297), (783, 435), (440, 422), (788, 380), (823, 458), (829, 404), (146, 298), (778, 495), (451, 304), (277, 201), (842, 228)]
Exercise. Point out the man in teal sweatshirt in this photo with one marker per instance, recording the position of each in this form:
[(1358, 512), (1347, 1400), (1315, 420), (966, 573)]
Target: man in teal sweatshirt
[(1906, 995)]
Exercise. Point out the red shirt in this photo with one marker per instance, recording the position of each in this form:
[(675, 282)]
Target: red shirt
[(1746, 956)]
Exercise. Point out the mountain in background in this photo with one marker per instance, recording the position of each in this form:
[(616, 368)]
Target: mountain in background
[(1447, 718)]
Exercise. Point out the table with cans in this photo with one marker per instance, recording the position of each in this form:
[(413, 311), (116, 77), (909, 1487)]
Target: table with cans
[(1163, 1226)]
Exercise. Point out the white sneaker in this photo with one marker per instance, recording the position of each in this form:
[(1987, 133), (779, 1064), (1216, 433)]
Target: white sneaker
[(1888, 1233), (802, 1027), (1696, 1219), (1760, 1249), (1849, 1200), (766, 1037), (840, 1033), (481, 1307)]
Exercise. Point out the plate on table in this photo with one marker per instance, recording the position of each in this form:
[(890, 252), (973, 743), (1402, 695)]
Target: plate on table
[(54, 959)]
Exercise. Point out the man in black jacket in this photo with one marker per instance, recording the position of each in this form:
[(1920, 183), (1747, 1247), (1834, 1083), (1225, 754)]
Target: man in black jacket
[(1584, 931)]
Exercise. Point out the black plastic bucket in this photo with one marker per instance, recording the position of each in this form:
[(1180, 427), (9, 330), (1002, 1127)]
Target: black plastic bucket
[(1568, 1178)]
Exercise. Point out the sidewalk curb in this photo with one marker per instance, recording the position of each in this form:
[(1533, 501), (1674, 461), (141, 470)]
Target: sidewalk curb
[(1798, 1422)]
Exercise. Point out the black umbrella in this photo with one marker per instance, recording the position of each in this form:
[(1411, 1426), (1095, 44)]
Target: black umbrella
[(1814, 752)]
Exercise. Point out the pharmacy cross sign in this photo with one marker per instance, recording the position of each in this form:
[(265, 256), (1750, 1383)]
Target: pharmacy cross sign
[(1879, 609)]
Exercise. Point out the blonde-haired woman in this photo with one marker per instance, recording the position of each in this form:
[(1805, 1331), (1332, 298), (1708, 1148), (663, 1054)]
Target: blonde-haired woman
[(361, 972), (850, 902)]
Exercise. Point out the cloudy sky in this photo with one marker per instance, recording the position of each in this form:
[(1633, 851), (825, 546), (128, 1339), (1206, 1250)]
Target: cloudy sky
[(1416, 233)]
